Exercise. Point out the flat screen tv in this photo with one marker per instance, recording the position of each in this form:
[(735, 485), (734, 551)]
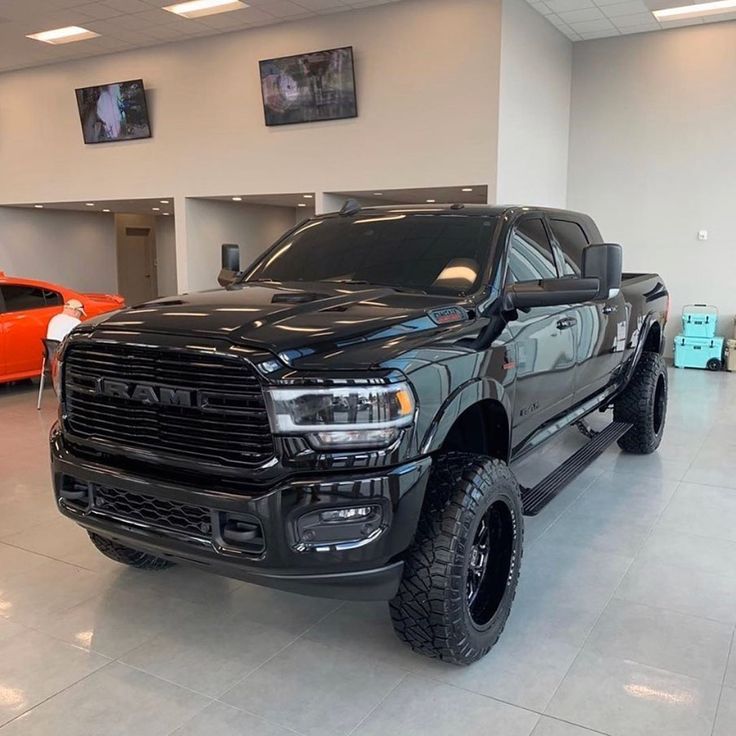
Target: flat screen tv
[(309, 87), (114, 112)]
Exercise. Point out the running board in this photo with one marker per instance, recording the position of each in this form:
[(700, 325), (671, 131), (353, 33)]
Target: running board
[(535, 499)]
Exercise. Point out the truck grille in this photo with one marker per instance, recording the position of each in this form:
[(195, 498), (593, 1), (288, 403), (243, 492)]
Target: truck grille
[(226, 424)]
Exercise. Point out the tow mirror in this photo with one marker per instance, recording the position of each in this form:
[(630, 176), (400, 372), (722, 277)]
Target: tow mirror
[(600, 280), (549, 293), (230, 264), (604, 261)]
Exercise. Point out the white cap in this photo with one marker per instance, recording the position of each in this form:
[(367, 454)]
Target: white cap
[(75, 304)]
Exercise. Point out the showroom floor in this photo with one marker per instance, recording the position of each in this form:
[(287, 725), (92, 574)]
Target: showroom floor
[(623, 621)]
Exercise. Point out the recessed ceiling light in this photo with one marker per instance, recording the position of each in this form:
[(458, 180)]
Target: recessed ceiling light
[(308, 196), (431, 201), (68, 34), (301, 204), (105, 210), (467, 189), (167, 213), (156, 209), (200, 8), (38, 206), (164, 201), (90, 204), (237, 199), (699, 9), (378, 194)]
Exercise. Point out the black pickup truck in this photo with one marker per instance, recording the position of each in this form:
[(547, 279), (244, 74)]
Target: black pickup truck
[(342, 417)]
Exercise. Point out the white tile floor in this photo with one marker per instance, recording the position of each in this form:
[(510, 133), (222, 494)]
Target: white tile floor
[(623, 623)]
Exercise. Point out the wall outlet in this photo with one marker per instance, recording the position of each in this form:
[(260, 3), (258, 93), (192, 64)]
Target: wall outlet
[(702, 235)]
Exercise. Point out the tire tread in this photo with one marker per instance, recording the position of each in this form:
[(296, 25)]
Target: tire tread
[(634, 406), (428, 610)]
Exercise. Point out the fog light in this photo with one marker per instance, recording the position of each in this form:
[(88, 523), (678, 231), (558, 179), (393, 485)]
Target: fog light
[(356, 514), (341, 529)]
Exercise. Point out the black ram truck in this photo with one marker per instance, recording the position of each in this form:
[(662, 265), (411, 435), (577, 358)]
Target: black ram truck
[(341, 419)]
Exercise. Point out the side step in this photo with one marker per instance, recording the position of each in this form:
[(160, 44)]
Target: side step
[(535, 499)]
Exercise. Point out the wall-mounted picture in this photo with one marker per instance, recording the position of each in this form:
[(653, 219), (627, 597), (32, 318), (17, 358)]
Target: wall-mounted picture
[(309, 87), (114, 112)]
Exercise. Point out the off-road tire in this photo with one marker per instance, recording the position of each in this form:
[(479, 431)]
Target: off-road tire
[(431, 611), (643, 404), (128, 556)]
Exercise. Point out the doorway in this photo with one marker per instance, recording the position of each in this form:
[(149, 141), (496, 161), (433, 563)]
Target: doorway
[(136, 256)]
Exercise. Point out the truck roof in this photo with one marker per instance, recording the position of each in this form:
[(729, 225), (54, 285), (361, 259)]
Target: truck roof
[(481, 210)]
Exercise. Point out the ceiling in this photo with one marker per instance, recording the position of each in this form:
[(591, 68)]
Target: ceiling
[(122, 206), (586, 19), (128, 24)]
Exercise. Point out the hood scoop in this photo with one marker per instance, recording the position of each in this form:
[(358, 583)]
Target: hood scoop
[(162, 303), (302, 297)]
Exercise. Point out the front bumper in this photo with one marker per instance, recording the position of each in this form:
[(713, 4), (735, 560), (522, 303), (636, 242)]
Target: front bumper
[(368, 569)]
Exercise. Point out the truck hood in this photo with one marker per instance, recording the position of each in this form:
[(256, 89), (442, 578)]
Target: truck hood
[(309, 325)]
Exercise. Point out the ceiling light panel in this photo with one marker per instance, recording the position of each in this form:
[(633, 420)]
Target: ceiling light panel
[(694, 11), (68, 34), (202, 8)]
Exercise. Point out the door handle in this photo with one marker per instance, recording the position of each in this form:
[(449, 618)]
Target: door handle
[(608, 309), (566, 322)]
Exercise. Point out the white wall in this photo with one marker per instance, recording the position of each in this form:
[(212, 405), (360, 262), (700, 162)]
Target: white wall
[(166, 255), (652, 156), (209, 224), (74, 249), (534, 109), (427, 80)]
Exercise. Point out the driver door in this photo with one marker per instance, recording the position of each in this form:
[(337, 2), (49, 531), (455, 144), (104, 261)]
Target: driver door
[(545, 337)]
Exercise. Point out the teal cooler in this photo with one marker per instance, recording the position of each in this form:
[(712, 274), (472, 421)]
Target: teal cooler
[(699, 352), (699, 320)]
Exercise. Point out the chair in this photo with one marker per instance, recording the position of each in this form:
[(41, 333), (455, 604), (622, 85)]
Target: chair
[(49, 350)]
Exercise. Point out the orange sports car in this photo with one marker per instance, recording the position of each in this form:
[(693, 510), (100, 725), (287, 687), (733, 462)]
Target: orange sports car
[(26, 306)]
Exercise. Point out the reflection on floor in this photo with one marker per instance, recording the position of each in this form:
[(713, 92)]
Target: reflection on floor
[(622, 625)]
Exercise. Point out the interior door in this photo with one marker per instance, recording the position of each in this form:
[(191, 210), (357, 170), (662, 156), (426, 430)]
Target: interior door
[(602, 325), (137, 264), (545, 337), (28, 310)]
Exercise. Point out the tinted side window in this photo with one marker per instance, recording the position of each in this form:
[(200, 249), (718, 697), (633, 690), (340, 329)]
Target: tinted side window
[(21, 298), (573, 241), (530, 254), (52, 298)]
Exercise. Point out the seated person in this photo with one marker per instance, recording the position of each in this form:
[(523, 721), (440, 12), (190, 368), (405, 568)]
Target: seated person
[(61, 325)]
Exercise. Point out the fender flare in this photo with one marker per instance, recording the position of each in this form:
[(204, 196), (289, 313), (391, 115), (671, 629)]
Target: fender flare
[(462, 398), (649, 321)]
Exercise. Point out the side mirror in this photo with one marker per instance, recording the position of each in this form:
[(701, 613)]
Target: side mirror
[(230, 264), (604, 261), (550, 293)]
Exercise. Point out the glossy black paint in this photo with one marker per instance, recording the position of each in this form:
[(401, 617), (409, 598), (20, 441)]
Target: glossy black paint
[(532, 372)]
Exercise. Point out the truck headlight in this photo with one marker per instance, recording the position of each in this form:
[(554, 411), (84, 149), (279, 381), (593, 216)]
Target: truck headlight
[(342, 417)]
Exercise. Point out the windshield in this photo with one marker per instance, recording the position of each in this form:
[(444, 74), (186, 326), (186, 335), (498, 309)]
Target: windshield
[(438, 254)]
